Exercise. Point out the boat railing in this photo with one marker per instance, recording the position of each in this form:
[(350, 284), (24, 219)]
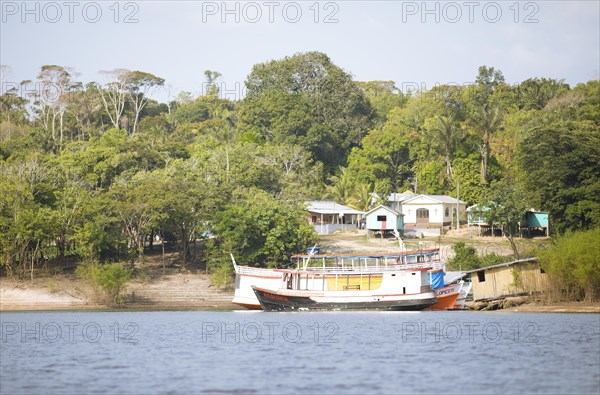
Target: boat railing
[(256, 271), (434, 265)]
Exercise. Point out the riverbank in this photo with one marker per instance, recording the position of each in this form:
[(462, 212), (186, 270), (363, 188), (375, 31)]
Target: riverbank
[(560, 307), (173, 289)]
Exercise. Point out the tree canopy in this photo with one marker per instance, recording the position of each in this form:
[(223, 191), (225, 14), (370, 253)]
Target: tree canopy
[(102, 170)]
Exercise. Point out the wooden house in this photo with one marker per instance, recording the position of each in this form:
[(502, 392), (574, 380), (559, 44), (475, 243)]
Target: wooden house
[(383, 219), (533, 222), (521, 277), (536, 222)]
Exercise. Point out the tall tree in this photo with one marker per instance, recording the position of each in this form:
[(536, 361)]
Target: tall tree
[(114, 95), (140, 85), (54, 97), (339, 114), (212, 89), (486, 116)]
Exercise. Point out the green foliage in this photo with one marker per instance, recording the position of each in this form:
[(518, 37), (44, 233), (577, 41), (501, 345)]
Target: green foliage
[(384, 155), (261, 230), (517, 281), (466, 171), (109, 279), (430, 178), (465, 258), (506, 206), (493, 259), (306, 94), (95, 175), (384, 96), (560, 165), (573, 262)]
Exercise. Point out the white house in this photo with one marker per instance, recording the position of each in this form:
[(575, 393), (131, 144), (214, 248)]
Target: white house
[(431, 211), (327, 216), (426, 211)]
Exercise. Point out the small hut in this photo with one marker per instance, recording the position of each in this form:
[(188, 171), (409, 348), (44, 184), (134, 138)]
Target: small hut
[(383, 219), (521, 277)]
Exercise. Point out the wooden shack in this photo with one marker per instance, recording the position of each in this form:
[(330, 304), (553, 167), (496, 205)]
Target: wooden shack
[(521, 277)]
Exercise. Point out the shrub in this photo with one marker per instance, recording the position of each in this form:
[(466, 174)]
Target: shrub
[(108, 281), (465, 257), (573, 263)]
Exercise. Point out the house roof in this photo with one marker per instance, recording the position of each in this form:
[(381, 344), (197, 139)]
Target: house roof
[(385, 208), (400, 197), (438, 198), (478, 207), (502, 265), (330, 207)]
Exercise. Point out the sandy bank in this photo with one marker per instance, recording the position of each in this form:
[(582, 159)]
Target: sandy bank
[(171, 291), (562, 307)]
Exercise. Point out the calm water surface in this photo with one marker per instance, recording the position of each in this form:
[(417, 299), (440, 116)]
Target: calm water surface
[(244, 352)]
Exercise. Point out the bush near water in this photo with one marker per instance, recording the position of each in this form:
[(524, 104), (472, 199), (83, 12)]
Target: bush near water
[(107, 281), (573, 264)]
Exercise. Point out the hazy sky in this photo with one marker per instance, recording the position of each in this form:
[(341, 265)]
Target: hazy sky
[(412, 43)]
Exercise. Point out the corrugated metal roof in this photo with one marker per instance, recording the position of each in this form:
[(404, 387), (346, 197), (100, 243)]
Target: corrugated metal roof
[(502, 265), (330, 207), (440, 198), (385, 208), (400, 197)]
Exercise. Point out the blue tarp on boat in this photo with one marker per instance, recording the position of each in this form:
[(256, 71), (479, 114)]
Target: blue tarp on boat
[(436, 279)]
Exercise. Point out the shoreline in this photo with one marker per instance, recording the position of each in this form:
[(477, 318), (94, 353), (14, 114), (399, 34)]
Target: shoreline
[(173, 290), (22, 296)]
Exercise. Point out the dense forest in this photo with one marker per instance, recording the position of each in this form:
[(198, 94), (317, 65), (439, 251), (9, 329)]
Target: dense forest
[(104, 173)]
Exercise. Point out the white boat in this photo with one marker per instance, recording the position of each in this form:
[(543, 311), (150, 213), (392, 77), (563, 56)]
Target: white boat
[(462, 296), (458, 278), (326, 273), (246, 277)]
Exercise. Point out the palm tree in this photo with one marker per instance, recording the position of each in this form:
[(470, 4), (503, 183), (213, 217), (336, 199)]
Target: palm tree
[(446, 134), (361, 198), (487, 121), (341, 187)]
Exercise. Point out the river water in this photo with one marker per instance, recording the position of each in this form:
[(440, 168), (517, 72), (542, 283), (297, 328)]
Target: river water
[(244, 352)]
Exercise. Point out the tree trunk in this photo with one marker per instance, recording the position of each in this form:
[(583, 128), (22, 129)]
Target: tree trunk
[(484, 160)]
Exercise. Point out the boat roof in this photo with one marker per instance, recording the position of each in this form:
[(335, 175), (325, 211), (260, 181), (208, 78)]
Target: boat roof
[(450, 277), (374, 270), (398, 254)]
